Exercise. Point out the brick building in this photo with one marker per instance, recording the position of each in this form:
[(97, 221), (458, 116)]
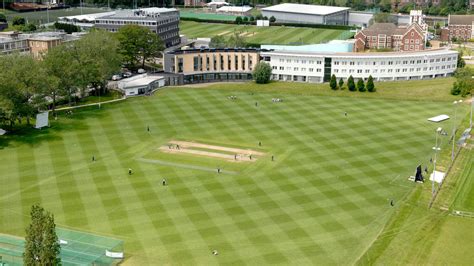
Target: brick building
[(390, 36), (459, 27), (199, 3)]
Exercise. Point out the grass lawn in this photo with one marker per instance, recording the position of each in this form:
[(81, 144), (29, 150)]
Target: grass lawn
[(324, 199), (40, 17), (417, 90), (263, 35), (198, 13), (418, 235)]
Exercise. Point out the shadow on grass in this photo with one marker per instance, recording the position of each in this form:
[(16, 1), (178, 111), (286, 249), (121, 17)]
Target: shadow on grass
[(27, 134)]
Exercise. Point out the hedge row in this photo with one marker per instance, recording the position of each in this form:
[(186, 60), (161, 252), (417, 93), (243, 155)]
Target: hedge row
[(315, 26)]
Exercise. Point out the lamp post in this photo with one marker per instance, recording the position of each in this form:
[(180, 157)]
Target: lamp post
[(436, 149), (454, 127), (100, 88)]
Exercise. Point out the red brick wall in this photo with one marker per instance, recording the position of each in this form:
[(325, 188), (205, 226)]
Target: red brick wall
[(412, 41), (462, 32)]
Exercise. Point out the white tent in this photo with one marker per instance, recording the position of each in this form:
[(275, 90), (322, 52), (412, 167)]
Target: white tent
[(437, 176), (217, 3), (2, 132), (438, 118)]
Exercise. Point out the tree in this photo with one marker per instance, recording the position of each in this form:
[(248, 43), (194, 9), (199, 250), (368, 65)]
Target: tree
[(272, 19), (238, 20), (361, 85), (383, 18), (464, 84), (29, 27), (68, 28), (41, 247), (218, 41), (262, 72), (251, 19), (88, 61), (341, 84), (3, 18), (350, 83), (333, 82), (370, 84), (245, 19), (461, 63), (236, 40), (18, 21), (138, 44), (21, 81)]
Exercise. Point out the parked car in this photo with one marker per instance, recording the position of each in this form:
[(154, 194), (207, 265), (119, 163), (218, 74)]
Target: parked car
[(127, 74), (141, 71), (116, 77)]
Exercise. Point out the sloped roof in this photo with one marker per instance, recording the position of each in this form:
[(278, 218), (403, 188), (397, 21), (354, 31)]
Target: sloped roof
[(461, 19), (305, 9), (387, 29)]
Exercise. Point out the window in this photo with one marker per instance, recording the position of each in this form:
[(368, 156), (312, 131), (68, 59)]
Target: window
[(359, 71), (303, 61), (274, 67), (336, 70), (311, 69), (282, 68), (351, 63), (318, 70), (195, 63), (303, 69), (295, 69), (367, 71)]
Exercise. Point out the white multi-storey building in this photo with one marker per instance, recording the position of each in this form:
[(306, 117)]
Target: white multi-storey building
[(319, 66)]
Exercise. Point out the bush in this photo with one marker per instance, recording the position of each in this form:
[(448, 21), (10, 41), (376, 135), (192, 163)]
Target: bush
[(238, 20), (333, 82), (272, 19), (245, 19), (18, 21), (262, 72), (68, 28), (361, 85), (29, 27), (350, 83), (251, 18), (455, 90), (341, 84), (370, 84), (3, 18)]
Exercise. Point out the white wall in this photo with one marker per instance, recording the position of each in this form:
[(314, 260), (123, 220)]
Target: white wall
[(294, 18), (390, 66)]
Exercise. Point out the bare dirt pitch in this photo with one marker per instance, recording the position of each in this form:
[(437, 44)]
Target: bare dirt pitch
[(213, 151)]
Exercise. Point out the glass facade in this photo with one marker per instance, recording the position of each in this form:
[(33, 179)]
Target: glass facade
[(211, 77)]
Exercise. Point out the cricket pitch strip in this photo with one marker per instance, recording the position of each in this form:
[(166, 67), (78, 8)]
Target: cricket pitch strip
[(213, 151)]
